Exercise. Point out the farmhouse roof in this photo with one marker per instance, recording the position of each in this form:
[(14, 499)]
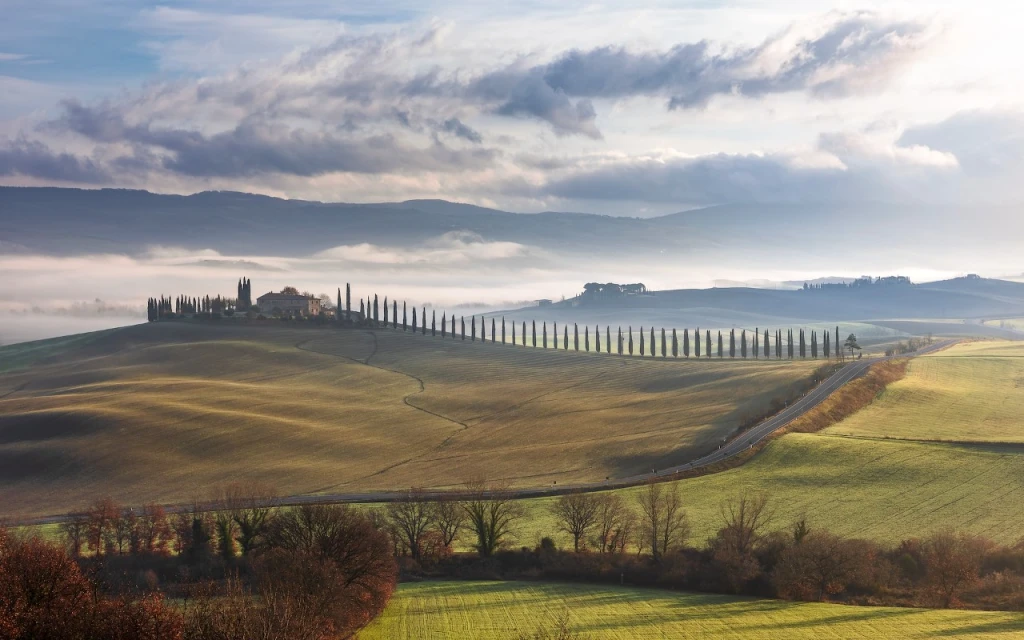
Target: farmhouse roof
[(284, 296)]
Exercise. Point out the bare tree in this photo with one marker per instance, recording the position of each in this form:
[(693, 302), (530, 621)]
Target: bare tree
[(611, 515), (492, 514), (449, 518), (411, 519), (744, 524), (819, 565), (576, 514), (101, 516), (952, 564), (75, 529), (249, 506), (664, 520)]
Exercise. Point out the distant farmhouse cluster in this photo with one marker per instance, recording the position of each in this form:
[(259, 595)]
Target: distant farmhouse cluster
[(863, 281)]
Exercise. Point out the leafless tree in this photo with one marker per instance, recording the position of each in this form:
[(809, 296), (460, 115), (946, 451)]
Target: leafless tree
[(449, 518), (75, 529), (611, 514), (744, 524), (250, 506), (952, 564), (411, 518), (492, 514), (576, 514), (821, 564), (664, 520)]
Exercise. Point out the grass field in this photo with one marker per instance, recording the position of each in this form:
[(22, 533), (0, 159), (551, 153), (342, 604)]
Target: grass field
[(163, 411), (883, 490), (972, 392), (502, 610)]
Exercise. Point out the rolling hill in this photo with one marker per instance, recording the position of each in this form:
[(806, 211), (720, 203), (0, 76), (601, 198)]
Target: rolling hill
[(165, 410)]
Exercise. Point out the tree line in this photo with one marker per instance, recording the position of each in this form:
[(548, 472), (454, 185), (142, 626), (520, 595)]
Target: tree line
[(374, 313)]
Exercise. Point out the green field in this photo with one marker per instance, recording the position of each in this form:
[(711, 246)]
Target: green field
[(883, 490), (164, 411), (502, 610), (972, 392)]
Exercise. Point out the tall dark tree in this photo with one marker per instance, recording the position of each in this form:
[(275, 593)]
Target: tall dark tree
[(641, 342), (423, 321), (620, 341), (483, 330), (743, 344), (654, 346), (597, 338), (533, 327), (493, 333), (675, 344), (387, 309), (565, 337), (376, 315), (554, 335), (414, 319), (524, 333), (732, 343), (824, 334), (361, 311), (462, 325), (803, 345), (348, 301), (664, 345), (686, 343), (337, 309), (837, 346), (778, 344), (814, 344), (472, 328), (503, 329), (433, 322), (721, 350), (544, 334), (513, 334), (631, 340), (444, 324), (607, 338), (789, 344), (586, 339), (575, 336), (405, 318)]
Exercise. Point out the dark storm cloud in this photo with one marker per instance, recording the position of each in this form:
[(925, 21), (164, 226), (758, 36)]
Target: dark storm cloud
[(459, 129), (34, 159)]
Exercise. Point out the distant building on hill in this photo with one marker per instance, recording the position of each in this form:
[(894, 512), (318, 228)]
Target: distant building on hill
[(289, 304), (543, 302)]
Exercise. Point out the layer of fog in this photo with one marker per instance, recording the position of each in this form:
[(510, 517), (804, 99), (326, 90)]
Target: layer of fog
[(43, 296)]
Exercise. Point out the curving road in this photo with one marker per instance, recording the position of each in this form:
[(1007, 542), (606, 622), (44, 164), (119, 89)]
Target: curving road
[(740, 443)]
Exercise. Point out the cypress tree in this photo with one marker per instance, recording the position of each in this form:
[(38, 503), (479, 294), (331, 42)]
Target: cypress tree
[(814, 344), (554, 335), (337, 310), (686, 343), (533, 326), (675, 344), (404, 317), (803, 345), (348, 301), (696, 343), (386, 308), (620, 341), (433, 322), (361, 311), (631, 340), (607, 338), (513, 334), (423, 321), (664, 349), (743, 344), (565, 337), (654, 347), (462, 325), (586, 339), (732, 343), (641, 342), (444, 324), (721, 351), (493, 332), (825, 335), (789, 344), (707, 343), (544, 334), (575, 336), (503, 329), (472, 328), (414, 319), (838, 346), (524, 333), (597, 338), (483, 330)]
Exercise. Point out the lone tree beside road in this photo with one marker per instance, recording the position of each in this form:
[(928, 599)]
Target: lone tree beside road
[(851, 344), (576, 514)]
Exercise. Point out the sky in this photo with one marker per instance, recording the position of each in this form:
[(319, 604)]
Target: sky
[(639, 109)]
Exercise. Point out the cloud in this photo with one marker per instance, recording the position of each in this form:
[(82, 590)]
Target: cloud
[(985, 143), (456, 127), (23, 157)]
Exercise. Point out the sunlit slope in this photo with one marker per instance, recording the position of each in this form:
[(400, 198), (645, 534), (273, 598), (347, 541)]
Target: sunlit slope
[(516, 609), (883, 490), (971, 392), (164, 411)]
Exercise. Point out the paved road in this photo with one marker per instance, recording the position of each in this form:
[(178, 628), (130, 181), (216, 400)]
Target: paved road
[(740, 443)]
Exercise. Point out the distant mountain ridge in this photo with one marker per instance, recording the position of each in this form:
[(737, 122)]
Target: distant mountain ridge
[(61, 221)]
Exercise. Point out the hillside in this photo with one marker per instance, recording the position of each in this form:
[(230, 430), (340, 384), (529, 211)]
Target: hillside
[(504, 609), (165, 410)]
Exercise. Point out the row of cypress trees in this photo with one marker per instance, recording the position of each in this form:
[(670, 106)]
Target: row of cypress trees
[(164, 306), (757, 344)]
